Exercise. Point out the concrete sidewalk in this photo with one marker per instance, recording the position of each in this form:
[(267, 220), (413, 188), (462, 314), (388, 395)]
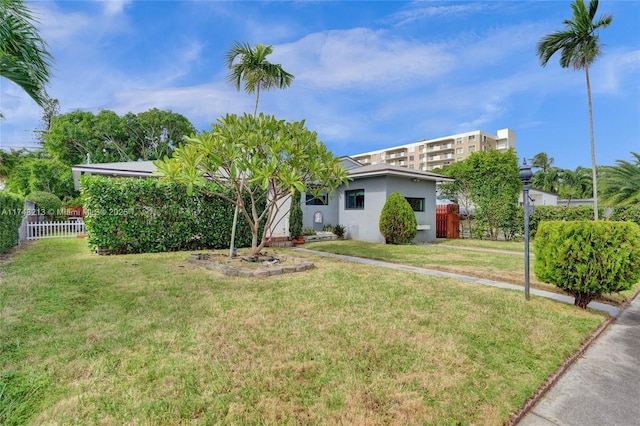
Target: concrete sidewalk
[(603, 386)]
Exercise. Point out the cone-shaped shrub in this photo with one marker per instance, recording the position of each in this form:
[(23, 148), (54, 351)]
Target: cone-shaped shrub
[(588, 259), (398, 221), (295, 215)]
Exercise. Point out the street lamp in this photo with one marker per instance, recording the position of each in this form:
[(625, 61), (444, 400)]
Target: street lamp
[(525, 177)]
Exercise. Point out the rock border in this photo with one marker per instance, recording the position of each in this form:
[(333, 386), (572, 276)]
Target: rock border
[(300, 265)]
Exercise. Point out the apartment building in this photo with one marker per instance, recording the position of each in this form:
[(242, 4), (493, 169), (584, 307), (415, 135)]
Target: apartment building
[(430, 154)]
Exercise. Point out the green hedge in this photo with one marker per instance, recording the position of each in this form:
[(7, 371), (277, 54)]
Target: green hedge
[(588, 258), (551, 213), (125, 215), (626, 213), (11, 212)]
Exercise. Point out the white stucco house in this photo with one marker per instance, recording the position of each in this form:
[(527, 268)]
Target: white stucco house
[(356, 206)]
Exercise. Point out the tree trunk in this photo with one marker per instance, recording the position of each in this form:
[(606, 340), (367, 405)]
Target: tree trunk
[(593, 148), (582, 299)]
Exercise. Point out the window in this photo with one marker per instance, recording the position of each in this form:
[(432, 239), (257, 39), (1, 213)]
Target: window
[(354, 199), (417, 204), (411, 158), (472, 138), (459, 150), (322, 200), (472, 148), (458, 141), (421, 156)]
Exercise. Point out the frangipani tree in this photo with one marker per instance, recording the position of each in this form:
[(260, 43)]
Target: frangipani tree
[(259, 160)]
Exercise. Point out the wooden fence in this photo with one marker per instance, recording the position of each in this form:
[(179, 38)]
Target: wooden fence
[(37, 231), (447, 221)]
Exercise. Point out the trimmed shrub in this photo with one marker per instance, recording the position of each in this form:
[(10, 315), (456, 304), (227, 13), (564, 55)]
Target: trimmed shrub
[(398, 222), (551, 213), (295, 215), (47, 203), (626, 213), (11, 212), (587, 258), (150, 215)]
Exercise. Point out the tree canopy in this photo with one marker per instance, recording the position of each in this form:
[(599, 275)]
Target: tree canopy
[(621, 183), (108, 137), (258, 159)]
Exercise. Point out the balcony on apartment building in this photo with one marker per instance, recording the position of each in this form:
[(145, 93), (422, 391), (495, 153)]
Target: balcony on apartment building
[(441, 146), (396, 154)]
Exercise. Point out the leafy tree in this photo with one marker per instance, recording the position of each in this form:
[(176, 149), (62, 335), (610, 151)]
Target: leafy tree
[(107, 137), (575, 184), (249, 64), (495, 185), (24, 58), (42, 174), (259, 157), (579, 47), (157, 133), (9, 161), (621, 183), (542, 161), (548, 180), (460, 189), (47, 203), (397, 220)]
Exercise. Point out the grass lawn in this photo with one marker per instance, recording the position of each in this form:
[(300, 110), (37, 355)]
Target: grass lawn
[(515, 246), (504, 267), (151, 339)]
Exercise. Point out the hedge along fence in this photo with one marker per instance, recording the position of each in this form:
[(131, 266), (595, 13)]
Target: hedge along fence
[(588, 258), (11, 213), (554, 213), (127, 215)]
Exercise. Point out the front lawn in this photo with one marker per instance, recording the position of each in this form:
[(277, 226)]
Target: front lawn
[(488, 263), (151, 339)]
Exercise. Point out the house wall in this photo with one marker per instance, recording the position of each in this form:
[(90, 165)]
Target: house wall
[(329, 213), (364, 224)]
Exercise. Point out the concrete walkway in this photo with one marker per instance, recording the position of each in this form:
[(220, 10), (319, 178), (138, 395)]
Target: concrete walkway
[(611, 310), (600, 389), (603, 386)]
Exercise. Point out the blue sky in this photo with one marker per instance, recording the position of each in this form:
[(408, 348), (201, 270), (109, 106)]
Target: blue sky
[(368, 75)]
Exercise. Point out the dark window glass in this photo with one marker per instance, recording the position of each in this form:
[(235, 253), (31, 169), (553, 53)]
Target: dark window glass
[(322, 200), (354, 199), (417, 204)]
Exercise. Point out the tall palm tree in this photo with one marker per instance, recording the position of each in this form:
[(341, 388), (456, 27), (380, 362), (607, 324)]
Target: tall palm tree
[(542, 161), (579, 46), (574, 184), (24, 58), (249, 64), (621, 183)]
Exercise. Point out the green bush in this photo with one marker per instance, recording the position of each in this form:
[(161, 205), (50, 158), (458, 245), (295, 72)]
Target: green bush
[(295, 215), (11, 212), (308, 232), (46, 203), (588, 258), (626, 213), (339, 230), (150, 215), (398, 222)]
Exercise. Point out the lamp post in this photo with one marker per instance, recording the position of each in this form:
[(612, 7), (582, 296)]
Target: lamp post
[(525, 177)]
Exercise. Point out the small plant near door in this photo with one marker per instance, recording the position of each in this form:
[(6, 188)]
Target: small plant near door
[(340, 231)]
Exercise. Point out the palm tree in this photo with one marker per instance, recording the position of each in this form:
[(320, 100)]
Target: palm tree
[(253, 68), (621, 183), (546, 180), (575, 184), (542, 161), (24, 58), (579, 46)]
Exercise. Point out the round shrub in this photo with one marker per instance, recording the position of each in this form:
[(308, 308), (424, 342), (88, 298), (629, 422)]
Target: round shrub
[(47, 203), (587, 258), (398, 221)]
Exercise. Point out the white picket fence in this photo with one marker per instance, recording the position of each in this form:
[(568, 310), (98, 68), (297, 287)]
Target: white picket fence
[(37, 231)]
